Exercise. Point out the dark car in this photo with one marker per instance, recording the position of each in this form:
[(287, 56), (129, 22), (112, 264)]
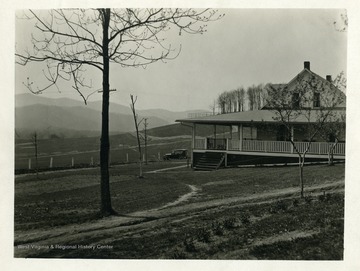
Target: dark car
[(176, 154)]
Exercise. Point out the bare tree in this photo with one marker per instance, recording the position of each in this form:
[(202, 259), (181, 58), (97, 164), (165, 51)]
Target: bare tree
[(256, 96), (213, 107), (332, 132), (71, 41), (137, 123), (221, 101), (334, 129), (145, 139), (251, 96), (240, 98), (301, 103)]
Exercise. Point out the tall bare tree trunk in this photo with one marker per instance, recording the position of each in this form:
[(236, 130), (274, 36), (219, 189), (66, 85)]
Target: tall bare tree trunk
[(106, 208), (331, 153), (137, 132), (301, 168)]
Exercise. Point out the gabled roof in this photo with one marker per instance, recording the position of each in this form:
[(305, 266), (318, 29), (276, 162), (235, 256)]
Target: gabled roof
[(266, 115), (317, 77)]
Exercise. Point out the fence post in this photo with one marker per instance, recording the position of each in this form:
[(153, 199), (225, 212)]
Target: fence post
[(29, 163), (92, 161), (72, 161), (159, 156), (127, 158), (51, 162)]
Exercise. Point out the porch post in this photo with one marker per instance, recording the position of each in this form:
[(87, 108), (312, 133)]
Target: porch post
[(240, 131), (229, 138)]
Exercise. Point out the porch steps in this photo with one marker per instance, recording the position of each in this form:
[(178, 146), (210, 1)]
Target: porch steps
[(210, 161)]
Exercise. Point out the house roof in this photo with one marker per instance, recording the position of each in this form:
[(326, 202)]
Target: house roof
[(318, 77), (266, 115), (256, 116)]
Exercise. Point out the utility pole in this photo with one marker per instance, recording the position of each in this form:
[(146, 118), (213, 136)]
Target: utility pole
[(145, 139), (137, 123), (35, 143)]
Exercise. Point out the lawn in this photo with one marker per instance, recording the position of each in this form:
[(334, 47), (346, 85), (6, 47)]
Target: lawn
[(278, 226)]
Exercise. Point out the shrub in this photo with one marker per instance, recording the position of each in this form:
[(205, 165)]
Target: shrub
[(278, 206), (230, 223), (204, 235), (218, 228), (245, 218), (189, 245), (308, 199)]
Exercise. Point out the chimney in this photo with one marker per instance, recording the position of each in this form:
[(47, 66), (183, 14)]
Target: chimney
[(307, 65), (328, 78)]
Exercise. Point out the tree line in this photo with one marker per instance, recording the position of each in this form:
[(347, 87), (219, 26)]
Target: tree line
[(241, 99)]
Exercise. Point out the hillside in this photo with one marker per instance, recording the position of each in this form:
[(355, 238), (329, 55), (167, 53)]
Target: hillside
[(63, 117), (66, 120), (178, 130)]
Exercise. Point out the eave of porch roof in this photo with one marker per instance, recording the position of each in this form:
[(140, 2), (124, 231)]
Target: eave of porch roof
[(255, 116)]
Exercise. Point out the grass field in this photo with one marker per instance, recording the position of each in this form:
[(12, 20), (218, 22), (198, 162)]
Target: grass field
[(238, 213), (83, 151)]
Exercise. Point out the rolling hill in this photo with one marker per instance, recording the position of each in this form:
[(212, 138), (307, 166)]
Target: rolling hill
[(64, 117)]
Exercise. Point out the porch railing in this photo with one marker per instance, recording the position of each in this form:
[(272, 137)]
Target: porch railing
[(267, 146)]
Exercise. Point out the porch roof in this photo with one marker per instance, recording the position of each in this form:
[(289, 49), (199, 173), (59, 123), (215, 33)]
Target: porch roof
[(255, 116)]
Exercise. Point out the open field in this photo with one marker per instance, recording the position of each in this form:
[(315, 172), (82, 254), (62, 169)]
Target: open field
[(84, 150), (238, 213)]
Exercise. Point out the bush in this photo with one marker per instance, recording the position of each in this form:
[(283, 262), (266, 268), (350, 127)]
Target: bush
[(189, 244), (230, 223), (218, 228), (245, 218), (204, 235), (308, 199), (278, 207)]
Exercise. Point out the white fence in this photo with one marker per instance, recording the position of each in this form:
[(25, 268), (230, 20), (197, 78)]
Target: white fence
[(273, 146)]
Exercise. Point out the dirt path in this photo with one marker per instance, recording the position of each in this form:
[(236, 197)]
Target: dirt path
[(119, 226)]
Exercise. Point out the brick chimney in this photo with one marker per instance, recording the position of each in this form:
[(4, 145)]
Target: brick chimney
[(328, 78), (307, 65)]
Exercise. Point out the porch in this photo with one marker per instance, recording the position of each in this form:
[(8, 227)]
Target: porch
[(285, 147)]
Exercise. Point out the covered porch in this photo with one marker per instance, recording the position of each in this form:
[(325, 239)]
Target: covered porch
[(228, 144), (236, 138)]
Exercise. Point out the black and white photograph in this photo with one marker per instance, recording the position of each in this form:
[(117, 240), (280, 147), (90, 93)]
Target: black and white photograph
[(182, 134)]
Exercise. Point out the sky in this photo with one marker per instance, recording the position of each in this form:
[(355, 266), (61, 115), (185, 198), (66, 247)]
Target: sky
[(245, 47)]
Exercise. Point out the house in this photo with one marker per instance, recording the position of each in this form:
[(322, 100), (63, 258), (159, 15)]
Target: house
[(286, 126)]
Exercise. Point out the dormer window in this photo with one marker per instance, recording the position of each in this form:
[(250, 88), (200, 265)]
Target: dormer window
[(316, 99), (295, 100)]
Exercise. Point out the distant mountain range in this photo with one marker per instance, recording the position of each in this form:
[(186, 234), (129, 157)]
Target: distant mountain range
[(65, 117)]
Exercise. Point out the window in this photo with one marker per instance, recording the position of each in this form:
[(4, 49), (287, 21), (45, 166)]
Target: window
[(296, 100), (249, 133), (316, 99)]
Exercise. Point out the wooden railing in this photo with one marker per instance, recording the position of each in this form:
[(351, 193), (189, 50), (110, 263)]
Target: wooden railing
[(267, 146)]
